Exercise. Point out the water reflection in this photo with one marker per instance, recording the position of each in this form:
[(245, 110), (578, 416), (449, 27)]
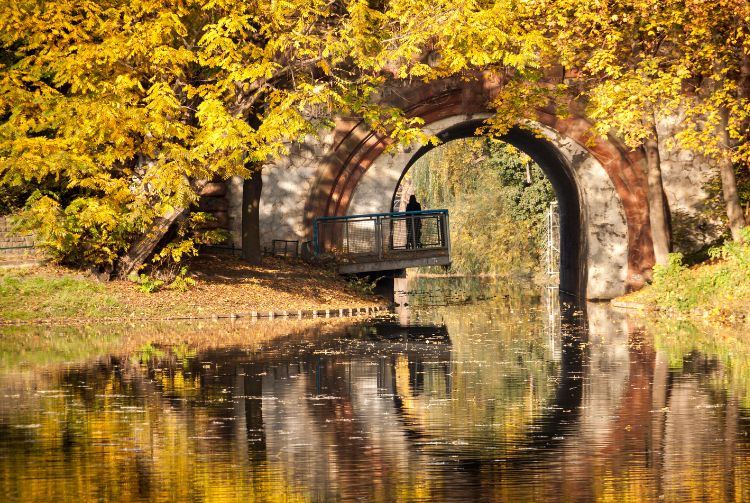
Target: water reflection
[(472, 392)]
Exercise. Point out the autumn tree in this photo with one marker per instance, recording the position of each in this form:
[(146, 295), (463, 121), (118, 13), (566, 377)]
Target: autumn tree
[(126, 109), (132, 106), (627, 76), (641, 62), (715, 47)]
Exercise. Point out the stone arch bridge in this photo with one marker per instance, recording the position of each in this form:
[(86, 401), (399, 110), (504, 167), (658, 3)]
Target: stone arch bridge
[(606, 246)]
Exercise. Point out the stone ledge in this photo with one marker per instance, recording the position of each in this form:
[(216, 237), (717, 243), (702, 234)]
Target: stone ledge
[(347, 312), (622, 304), (31, 259)]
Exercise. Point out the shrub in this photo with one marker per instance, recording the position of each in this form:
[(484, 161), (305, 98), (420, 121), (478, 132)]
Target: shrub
[(671, 284), (361, 285), (90, 232), (146, 283), (737, 252), (190, 234), (678, 287), (182, 282)]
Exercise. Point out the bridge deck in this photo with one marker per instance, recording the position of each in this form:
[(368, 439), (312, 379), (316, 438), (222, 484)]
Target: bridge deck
[(384, 241), (418, 258)]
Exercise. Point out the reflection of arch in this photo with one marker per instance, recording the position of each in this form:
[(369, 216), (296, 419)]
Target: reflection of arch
[(544, 432), (612, 250)]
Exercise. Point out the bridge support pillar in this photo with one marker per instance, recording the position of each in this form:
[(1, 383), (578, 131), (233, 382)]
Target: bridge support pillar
[(385, 282)]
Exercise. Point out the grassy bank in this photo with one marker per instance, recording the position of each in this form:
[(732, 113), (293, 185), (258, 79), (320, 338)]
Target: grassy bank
[(718, 289), (223, 285)]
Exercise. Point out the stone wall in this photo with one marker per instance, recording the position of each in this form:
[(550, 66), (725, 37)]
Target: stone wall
[(287, 185), (692, 188), (346, 170), (15, 247)]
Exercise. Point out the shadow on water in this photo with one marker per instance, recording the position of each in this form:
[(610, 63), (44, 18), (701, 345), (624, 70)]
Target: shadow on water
[(563, 411)]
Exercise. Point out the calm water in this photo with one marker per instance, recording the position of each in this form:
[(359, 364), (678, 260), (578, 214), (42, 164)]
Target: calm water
[(471, 393)]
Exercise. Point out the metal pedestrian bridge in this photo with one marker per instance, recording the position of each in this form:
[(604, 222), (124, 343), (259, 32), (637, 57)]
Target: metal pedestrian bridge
[(383, 241)]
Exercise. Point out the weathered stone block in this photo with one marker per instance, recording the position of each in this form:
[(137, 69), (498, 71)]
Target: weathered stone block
[(214, 189)]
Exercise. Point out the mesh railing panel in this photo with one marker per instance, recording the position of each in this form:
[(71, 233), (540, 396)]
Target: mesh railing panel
[(431, 233), (381, 235), (412, 233), (347, 237), (394, 232)]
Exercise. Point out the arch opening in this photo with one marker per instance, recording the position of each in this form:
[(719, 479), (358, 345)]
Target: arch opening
[(572, 243), (594, 236)]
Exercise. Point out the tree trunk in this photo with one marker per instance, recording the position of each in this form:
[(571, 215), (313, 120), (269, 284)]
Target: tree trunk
[(251, 189), (657, 207), (146, 245), (729, 182), (743, 90)]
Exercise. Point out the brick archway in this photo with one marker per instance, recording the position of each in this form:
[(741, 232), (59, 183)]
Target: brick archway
[(355, 149)]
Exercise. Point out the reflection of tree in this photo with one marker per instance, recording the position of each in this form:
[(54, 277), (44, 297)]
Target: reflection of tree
[(487, 414), (727, 351), (707, 410), (661, 442), (122, 430)]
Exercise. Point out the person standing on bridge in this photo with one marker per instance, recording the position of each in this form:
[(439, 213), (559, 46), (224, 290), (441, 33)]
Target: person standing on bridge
[(413, 224)]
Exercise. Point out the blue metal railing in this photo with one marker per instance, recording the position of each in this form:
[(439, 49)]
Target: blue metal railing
[(380, 235)]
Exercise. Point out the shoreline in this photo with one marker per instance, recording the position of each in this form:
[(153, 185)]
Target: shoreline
[(225, 288), (283, 315), (715, 315)]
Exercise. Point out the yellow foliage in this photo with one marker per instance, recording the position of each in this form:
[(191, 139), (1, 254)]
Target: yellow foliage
[(129, 105)]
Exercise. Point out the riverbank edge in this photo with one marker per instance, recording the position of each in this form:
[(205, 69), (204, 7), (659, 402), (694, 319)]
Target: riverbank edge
[(715, 314), (285, 315), (279, 290)]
